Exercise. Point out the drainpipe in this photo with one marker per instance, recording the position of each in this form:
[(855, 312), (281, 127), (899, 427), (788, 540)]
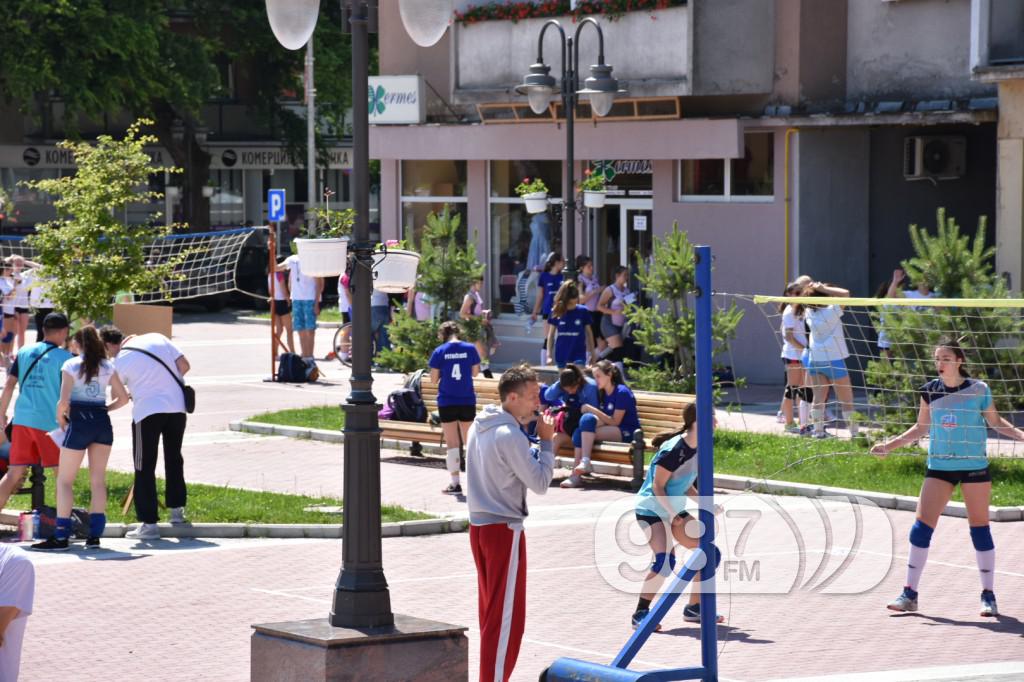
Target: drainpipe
[(788, 201)]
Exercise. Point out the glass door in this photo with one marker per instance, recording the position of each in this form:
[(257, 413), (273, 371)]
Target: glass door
[(623, 229)]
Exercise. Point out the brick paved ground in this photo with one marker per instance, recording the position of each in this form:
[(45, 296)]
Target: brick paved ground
[(181, 610)]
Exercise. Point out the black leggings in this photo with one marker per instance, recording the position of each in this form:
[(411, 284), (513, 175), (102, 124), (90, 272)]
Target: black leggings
[(146, 436)]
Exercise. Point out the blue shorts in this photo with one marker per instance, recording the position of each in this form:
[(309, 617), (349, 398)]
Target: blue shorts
[(303, 319), (88, 423), (832, 370)]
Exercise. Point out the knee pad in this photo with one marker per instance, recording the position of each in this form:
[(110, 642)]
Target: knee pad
[(981, 536), (672, 561), (617, 354), (921, 534), (8, 337), (658, 565), (792, 392), (806, 394)]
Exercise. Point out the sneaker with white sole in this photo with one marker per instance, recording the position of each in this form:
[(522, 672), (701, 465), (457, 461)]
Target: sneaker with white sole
[(792, 428), (780, 418), (573, 481), (906, 602), (145, 531), (584, 467), (691, 614), (51, 544), (988, 604), (178, 516)]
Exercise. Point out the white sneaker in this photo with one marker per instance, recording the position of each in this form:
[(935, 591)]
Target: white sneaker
[(584, 467), (145, 531), (178, 516)]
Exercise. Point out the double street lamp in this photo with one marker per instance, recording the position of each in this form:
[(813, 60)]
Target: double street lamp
[(600, 89), (361, 597)]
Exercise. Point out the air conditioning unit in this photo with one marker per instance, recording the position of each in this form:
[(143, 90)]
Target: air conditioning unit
[(934, 157)]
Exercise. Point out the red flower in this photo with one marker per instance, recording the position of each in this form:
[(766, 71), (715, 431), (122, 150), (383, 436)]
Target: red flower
[(526, 181)]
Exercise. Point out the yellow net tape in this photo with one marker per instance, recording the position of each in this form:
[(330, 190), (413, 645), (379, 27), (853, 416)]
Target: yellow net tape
[(910, 302)]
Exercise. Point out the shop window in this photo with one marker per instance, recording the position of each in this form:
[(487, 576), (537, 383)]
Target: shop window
[(751, 178), (505, 175), (227, 205), (414, 219), (426, 187)]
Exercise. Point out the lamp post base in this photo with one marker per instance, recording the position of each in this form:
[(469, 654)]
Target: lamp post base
[(314, 650)]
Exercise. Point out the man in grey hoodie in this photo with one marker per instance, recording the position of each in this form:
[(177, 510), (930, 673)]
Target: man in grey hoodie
[(502, 462)]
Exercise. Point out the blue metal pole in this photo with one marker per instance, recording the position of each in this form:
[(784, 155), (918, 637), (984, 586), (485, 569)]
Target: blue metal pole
[(705, 466)]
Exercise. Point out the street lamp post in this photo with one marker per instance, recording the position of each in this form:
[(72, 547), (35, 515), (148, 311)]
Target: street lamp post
[(600, 88)]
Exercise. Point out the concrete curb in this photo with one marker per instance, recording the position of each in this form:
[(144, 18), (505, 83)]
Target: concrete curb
[(266, 321), (277, 530), (725, 481)]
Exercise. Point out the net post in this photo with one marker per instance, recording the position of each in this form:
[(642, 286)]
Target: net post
[(705, 462), (272, 248)]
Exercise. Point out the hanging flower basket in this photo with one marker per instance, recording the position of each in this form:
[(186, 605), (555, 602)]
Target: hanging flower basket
[(322, 257), (594, 199), (395, 271), (537, 202)]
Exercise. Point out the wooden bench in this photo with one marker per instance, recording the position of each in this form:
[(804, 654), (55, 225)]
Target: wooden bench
[(658, 412)]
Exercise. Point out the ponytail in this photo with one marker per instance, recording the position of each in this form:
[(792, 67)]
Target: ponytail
[(567, 292), (689, 418), (93, 352)]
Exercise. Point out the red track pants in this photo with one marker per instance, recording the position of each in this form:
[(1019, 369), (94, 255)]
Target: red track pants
[(499, 550)]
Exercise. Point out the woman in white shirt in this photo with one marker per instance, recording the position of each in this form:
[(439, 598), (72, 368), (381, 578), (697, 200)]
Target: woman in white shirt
[(794, 341), (825, 356), (82, 414)]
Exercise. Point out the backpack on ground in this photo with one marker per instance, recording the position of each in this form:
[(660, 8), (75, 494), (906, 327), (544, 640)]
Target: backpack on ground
[(292, 369), (407, 406)]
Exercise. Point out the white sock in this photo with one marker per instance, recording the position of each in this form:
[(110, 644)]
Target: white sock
[(451, 458), (818, 418), (848, 417), (543, 356), (987, 568), (915, 565), (805, 413)]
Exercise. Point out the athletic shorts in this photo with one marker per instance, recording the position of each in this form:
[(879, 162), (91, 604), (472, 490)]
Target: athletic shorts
[(282, 307), (8, 316), (608, 329), (33, 446), (648, 520), (88, 424), (832, 370), (21, 310), (457, 413), (954, 477), (595, 323), (303, 319), (789, 362)]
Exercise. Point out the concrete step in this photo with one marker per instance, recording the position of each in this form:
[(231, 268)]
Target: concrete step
[(517, 344)]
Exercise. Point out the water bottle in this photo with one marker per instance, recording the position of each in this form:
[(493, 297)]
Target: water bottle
[(25, 527), (35, 524)]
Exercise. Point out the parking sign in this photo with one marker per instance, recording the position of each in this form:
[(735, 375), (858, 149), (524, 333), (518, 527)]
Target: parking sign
[(275, 205)]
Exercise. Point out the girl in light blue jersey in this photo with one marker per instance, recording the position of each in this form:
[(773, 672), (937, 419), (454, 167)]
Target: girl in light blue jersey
[(955, 413), (661, 500)]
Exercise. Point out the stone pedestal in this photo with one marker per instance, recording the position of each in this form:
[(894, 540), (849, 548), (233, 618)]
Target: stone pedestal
[(314, 650)]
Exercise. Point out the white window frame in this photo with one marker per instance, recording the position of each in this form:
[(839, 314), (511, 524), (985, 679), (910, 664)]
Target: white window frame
[(727, 197)]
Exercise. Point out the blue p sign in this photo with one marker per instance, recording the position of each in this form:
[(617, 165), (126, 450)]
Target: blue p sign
[(275, 205)]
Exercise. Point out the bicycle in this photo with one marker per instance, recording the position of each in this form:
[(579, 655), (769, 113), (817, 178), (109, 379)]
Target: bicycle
[(341, 345)]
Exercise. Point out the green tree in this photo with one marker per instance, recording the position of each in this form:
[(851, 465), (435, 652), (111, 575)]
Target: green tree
[(667, 330), (957, 267), (166, 59), (446, 272), (87, 253)]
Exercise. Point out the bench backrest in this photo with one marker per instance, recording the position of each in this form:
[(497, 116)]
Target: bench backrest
[(658, 411)]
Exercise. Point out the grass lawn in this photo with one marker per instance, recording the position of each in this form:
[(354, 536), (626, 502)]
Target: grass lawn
[(327, 314), (210, 503), (833, 462), (321, 417)]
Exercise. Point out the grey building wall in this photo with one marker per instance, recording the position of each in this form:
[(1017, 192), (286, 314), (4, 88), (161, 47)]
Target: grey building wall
[(733, 47), (896, 203), (832, 206), (913, 49)]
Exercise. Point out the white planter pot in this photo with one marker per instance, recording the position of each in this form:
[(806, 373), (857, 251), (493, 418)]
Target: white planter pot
[(208, 191), (395, 272), (537, 202), (322, 257), (594, 199)]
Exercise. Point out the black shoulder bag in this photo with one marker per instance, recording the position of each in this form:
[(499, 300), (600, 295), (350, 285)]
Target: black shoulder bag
[(186, 390)]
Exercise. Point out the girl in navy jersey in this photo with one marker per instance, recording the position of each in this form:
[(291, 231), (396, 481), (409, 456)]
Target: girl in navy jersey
[(661, 500), (570, 393), (570, 338), (615, 419), (955, 413), (547, 286), (452, 367)]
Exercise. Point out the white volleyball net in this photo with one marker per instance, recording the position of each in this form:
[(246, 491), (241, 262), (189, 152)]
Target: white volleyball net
[(210, 262)]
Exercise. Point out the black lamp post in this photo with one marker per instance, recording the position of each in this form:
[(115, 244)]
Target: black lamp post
[(600, 88), (361, 597)]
